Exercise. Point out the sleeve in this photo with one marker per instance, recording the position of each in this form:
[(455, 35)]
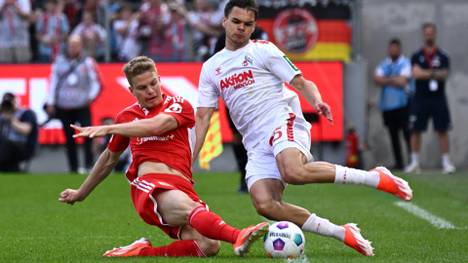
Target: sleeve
[(25, 6), (406, 69), (117, 142), (278, 63), (182, 111), (94, 82), (379, 71), (207, 92)]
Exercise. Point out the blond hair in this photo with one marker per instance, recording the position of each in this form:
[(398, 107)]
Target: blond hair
[(137, 66)]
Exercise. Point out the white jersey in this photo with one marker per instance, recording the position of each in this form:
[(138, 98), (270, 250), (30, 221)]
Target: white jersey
[(251, 82)]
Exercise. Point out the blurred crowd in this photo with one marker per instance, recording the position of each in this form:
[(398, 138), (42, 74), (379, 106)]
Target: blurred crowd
[(112, 30)]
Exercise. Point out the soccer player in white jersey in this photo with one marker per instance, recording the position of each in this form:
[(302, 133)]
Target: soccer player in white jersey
[(249, 76)]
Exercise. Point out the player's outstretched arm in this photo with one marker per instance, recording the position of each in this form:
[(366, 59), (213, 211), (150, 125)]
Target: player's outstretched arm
[(309, 90), (103, 167), (202, 123), (157, 125)]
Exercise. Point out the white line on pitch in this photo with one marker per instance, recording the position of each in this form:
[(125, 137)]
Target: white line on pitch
[(426, 215)]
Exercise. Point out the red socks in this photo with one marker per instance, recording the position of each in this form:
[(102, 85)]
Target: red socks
[(181, 248), (212, 226), (206, 223)]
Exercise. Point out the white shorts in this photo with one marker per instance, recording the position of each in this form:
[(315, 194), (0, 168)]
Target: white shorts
[(295, 133)]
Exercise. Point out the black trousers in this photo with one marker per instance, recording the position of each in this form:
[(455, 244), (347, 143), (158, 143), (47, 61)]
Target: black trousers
[(396, 121), (11, 154), (83, 117)]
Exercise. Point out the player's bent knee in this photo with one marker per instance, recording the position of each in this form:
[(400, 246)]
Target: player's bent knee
[(209, 247), (293, 175), (265, 208)]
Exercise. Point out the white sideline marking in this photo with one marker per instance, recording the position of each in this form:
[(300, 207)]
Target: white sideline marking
[(426, 215)]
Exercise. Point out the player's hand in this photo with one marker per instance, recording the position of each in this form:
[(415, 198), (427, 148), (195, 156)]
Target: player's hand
[(91, 131), (70, 196), (324, 109)]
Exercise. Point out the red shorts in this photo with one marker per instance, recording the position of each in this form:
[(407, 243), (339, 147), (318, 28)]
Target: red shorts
[(145, 189)]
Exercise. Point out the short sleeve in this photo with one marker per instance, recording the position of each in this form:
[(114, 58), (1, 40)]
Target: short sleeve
[(207, 92), (182, 111), (117, 142), (278, 63), (406, 68), (379, 70)]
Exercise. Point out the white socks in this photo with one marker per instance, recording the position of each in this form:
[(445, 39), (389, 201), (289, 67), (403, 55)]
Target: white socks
[(346, 175), (446, 159), (323, 227), (415, 158)]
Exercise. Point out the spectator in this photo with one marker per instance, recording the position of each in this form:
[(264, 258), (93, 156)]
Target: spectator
[(72, 10), (74, 84), (176, 32), (125, 30), (18, 134), (51, 29), (430, 66), (153, 22), (93, 36), (206, 25), (14, 31), (392, 74)]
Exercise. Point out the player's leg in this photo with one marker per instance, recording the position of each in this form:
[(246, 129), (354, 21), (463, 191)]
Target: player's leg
[(266, 197), (179, 209), (191, 244), (294, 171), (442, 123)]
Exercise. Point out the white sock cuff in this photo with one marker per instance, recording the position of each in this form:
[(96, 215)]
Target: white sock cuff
[(445, 157), (415, 157), (340, 173)]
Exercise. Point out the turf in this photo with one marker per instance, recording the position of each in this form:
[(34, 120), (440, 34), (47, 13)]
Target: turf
[(35, 227)]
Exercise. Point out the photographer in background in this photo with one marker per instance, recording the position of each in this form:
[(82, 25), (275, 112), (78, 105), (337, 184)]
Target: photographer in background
[(18, 134)]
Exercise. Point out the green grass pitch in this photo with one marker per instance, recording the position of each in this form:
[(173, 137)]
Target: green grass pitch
[(35, 227)]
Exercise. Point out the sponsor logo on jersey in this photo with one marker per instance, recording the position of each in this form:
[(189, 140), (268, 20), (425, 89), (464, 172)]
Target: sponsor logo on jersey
[(218, 71), (238, 80), (141, 140)]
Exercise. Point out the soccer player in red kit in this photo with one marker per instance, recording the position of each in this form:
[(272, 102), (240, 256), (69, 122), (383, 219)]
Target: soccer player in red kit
[(160, 174)]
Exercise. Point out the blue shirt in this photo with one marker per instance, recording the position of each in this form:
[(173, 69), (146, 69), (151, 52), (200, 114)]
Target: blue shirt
[(393, 97)]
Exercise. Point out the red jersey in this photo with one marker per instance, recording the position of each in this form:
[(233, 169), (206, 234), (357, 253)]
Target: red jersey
[(171, 148)]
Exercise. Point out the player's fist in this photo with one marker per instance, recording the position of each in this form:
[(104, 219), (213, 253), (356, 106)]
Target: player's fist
[(70, 196)]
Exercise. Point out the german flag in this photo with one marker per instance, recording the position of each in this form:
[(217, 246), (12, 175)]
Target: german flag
[(307, 32)]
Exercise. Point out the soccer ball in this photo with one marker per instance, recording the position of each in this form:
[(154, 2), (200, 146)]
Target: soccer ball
[(284, 240)]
